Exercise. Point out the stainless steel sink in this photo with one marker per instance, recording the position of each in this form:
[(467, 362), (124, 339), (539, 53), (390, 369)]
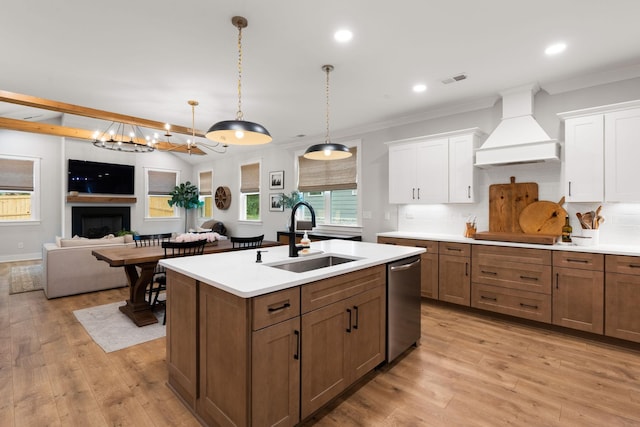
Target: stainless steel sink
[(303, 265)]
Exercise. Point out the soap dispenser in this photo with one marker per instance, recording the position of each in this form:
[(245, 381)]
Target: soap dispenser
[(305, 241)]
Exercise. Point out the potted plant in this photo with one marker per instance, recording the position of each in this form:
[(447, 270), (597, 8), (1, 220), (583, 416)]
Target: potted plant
[(288, 201), (185, 196)]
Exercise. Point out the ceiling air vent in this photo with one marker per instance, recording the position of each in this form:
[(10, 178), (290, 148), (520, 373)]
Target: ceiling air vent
[(455, 78)]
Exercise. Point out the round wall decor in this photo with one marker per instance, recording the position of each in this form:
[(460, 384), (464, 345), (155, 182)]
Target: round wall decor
[(223, 197)]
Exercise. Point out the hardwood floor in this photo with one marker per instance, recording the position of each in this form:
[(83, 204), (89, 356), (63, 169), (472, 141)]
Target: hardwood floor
[(470, 370)]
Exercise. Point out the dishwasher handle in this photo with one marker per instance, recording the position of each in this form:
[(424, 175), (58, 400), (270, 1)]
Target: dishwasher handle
[(405, 266)]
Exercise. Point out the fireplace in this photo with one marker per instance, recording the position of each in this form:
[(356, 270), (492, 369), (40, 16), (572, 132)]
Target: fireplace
[(98, 221)]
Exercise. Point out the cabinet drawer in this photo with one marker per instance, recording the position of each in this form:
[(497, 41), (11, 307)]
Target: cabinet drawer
[(456, 249), (622, 264), (581, 260), (275, 307), (499, 254), (525, 277), (318, 294), (528, 305), (429, 245)]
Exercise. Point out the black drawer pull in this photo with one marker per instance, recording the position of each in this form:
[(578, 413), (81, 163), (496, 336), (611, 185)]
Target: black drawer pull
[(489, 272), (282, 307), (349, 327), (528, 306), (297, 355), (528, 278), (488, 298), (634, 265), (583, 261), (454, 249)]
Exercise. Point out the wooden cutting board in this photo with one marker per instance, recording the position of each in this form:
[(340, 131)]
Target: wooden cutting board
[(543, 217), (506, 202)]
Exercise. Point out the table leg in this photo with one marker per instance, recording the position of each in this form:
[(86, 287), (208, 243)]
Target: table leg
[(137, 308)]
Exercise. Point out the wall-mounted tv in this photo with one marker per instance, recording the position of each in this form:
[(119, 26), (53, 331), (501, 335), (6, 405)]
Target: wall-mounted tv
[(100, 178)]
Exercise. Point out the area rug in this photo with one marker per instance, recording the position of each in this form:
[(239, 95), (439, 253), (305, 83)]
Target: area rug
[(113, 330), (25, 278)]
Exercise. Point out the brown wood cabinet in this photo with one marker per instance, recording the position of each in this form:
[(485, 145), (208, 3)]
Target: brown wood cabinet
[(578, 291), (622, 297), (454, 273), (261, 361), (429, 261), (514, 281)]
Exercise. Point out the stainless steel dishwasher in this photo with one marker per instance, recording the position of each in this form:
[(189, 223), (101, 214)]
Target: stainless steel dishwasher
[(403, 305)]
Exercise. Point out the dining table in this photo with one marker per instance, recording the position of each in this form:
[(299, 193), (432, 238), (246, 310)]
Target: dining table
[(139, 265)]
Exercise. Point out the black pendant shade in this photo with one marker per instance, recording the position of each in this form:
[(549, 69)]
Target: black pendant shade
[(238, 132), (327, 151)]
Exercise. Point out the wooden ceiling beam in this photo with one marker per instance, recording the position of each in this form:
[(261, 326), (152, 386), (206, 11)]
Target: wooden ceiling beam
[(61, 107), (69, 132)]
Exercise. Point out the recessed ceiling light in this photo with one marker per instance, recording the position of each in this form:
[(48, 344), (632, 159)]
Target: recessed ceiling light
[(555, 49), (419, 87), (343, 36)]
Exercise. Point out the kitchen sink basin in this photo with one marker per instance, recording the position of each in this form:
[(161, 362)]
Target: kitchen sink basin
[(303, 265)]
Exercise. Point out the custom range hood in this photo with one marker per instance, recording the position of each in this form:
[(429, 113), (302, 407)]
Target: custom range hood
[(518, 138)]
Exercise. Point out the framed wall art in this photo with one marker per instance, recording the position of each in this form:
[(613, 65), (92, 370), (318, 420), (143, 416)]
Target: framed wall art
[(275, 202), (276, 180)]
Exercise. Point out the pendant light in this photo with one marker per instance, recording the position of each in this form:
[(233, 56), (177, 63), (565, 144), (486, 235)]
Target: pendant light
[(327, 150), (239, 131)]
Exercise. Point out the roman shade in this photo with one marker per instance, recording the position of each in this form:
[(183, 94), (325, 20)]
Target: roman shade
[(250, 178), (16, 175), (206, 183), (161, 183), (316, 175)]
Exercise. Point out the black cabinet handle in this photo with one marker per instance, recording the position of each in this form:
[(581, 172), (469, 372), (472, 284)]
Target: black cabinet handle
[(466, 268), (634, 265), (349, 327), (454, 249), (282, 307), (569, 188), (528, 306), (557, 279), (413, 193), (468, 192), (583, 261), (355, 307), (297, 334), (528, 278), (493, 273), (488, 298), (418, 193)]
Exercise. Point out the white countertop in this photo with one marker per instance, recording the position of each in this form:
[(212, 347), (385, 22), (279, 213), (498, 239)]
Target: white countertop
[(238, 273), (597, 249)]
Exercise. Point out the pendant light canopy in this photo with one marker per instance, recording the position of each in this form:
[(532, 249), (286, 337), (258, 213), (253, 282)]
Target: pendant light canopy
[(239, 131), (327, 150)]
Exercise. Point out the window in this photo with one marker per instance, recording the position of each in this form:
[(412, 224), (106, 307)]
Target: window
[(19, 189), (331, 188), (205, 188), (250, 192), (160, 184)]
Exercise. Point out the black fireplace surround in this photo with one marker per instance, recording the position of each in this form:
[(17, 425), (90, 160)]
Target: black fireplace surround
[(98, 221)]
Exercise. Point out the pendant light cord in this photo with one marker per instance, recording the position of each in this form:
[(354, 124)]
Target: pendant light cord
[(328, 69), (239, 115)]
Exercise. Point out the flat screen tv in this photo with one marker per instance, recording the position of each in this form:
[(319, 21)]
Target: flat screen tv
[(100, 178)]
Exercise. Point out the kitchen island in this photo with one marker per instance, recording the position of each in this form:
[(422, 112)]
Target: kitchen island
[(254, 344)]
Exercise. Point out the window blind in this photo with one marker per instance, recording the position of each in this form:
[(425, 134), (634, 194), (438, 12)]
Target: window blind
[(161, 183), (250, 178), (320, 175), (16, 175), (206, 183)]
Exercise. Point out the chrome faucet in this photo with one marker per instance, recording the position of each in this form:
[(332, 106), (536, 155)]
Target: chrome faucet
[(293, 249)]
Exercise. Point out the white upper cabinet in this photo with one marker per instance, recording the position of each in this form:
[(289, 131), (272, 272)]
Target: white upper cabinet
[(584, 159), (602, 149), (434, 169)]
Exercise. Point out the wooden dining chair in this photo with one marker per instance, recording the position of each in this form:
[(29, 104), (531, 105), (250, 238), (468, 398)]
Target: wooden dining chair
[(180, 249), (158, 280), (246, 242)]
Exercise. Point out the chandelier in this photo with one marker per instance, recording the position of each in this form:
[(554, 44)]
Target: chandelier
[(114, 138), (192, 143)]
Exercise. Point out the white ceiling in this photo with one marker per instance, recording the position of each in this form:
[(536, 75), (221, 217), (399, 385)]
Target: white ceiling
[(146, 58)]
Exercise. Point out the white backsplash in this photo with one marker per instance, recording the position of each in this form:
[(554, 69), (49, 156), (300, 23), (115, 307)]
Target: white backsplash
[(621, 226)]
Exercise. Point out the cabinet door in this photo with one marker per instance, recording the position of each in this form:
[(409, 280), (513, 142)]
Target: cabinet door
[(402, 174), (622, 299), (275, 378), (622, 151), (461, 170), (584, 154), (429, 275), (324, 371), (578, 299), (454, 280), (432, 171), (366, 339), (182, 336)]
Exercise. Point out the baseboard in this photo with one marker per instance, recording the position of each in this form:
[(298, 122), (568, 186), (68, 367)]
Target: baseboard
[(21, 257)]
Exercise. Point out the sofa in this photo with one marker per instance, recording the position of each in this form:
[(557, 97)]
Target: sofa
[(70, 269)]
